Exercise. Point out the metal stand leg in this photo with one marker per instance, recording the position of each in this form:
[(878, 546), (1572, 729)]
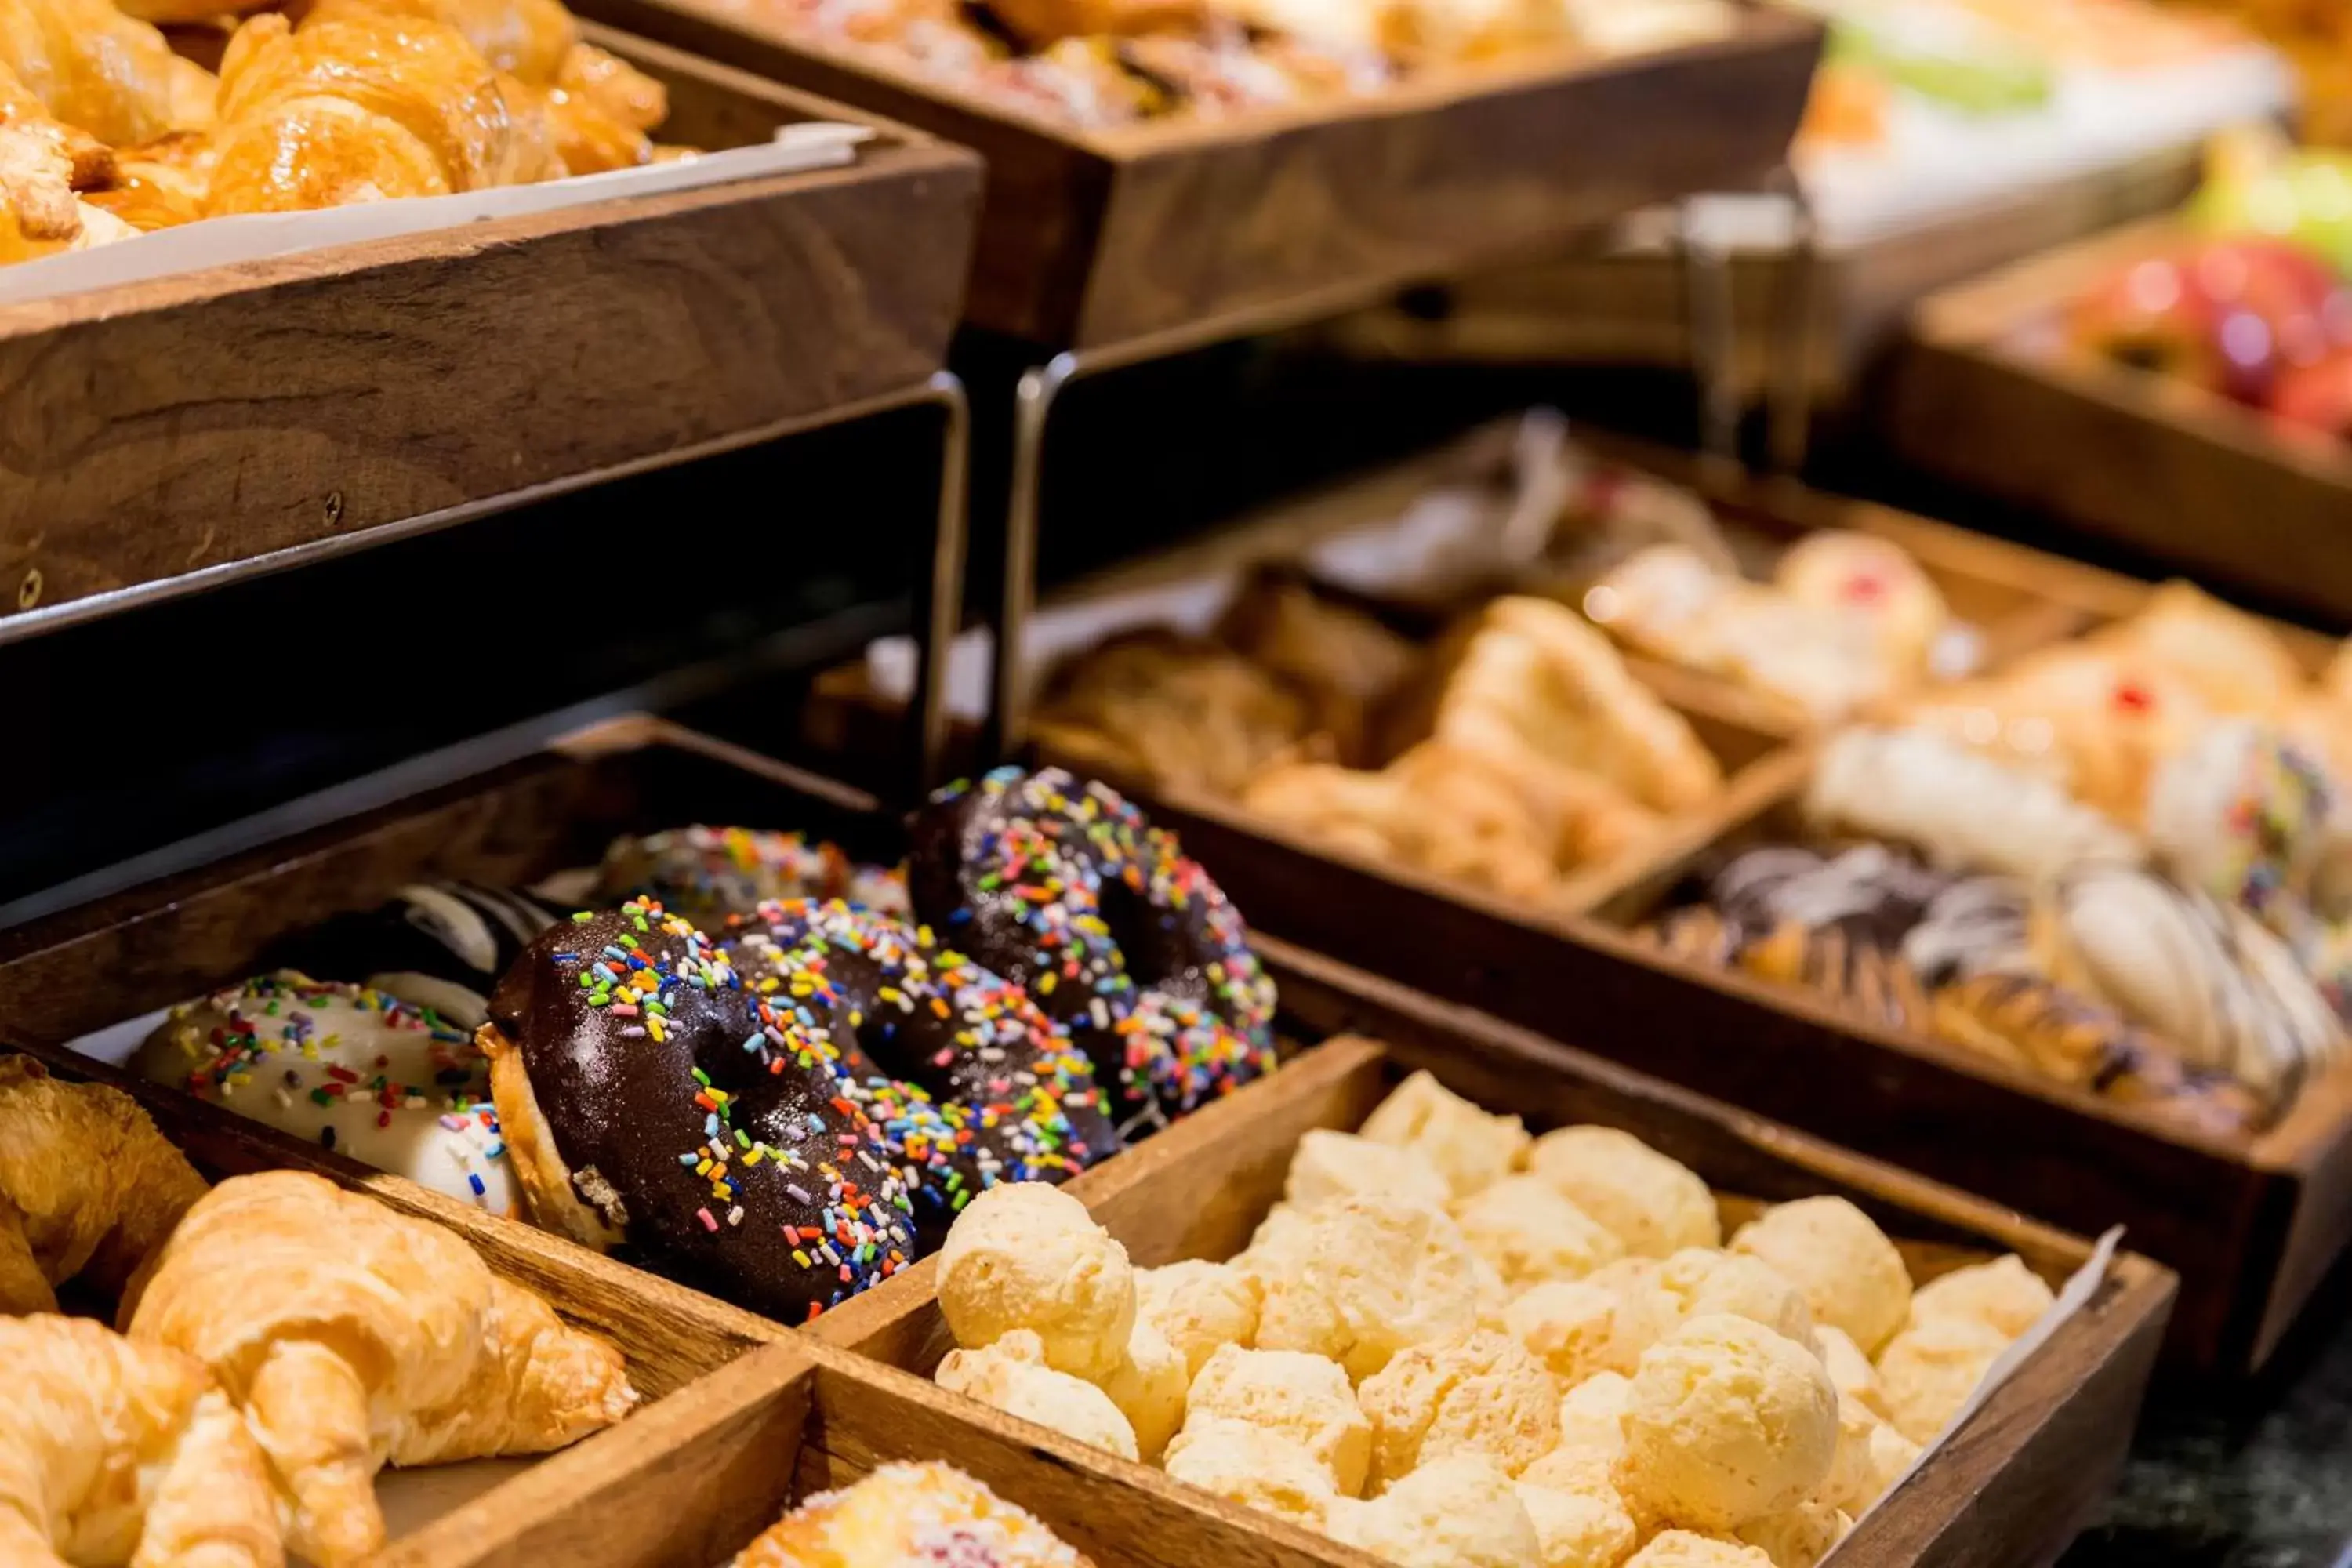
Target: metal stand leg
[(938, 607), (1708, 308), (1789, 411), (1033, 405)]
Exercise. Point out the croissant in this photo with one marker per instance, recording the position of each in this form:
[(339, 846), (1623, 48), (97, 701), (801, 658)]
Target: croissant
[(526, 39), (112, 1452), (161, 184), (87, 1186), (1534, 677), (599, 109), (351, 1335), (354, 106), (101, 71)]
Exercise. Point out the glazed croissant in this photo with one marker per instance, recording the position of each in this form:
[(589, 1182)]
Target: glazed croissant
[(114, 1452), (87, 1186), (526, 39), (577, 109), (101, 71), (599, 109), (354, 106), (351, 1335), (161, 184)]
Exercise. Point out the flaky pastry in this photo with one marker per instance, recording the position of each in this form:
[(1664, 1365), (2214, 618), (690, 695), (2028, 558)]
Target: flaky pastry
[(351, 1336), (117, 1452), (89, 1189)]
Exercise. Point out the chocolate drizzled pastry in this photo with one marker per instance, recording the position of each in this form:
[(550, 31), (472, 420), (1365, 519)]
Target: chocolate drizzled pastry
[(1897, 944)]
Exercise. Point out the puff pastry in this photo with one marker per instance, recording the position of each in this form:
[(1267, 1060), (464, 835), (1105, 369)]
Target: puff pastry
[(351, 1336), (354, 106), (1533, 675), (161, 184), (88, 1187), (114, 1452)]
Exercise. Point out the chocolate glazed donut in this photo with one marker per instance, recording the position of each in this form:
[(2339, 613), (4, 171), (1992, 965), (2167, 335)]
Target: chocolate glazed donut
[(968, 1080), (1067, 891), (646, 1099)]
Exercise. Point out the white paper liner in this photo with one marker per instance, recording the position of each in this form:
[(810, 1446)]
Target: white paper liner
[(2072, 1298), (218, 242)]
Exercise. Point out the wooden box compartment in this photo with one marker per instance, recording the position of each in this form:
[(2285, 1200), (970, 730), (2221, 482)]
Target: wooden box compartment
[(672, 1337), (1985, 392), (177, 427), (2252, 1224), (2013, 1486), (703, 1475), (1092, 237)]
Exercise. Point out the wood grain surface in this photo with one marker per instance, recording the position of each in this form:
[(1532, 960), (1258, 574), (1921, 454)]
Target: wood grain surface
[(161, 427), (1093, 238), (1978, 394)]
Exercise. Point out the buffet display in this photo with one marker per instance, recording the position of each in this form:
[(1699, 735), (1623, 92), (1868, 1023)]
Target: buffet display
[(646, 1151), (489, 1369), (2078, 1041)]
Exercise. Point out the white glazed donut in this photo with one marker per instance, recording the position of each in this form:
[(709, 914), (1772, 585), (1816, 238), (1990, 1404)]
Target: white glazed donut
[(358, 1072)]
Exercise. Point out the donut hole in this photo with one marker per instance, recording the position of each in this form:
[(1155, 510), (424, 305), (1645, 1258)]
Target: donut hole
[(1153, 940)]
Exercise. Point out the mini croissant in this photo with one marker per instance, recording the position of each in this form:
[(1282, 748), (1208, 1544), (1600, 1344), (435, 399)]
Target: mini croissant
[(122, 1453), (352, 106), (87, 1186), (351, 1336)]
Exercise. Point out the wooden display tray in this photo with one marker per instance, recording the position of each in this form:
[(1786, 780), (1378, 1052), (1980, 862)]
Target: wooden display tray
[(1985, 394), (2000, 589), (1096, 237), (1632, 307), (2253, 1226), (2014, 1486), (671, 1337), (690, 1476), (175, 429)]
